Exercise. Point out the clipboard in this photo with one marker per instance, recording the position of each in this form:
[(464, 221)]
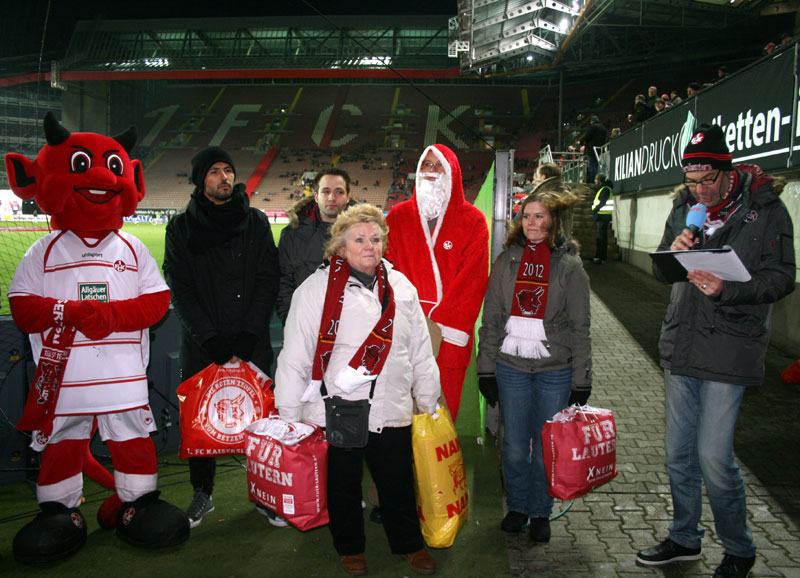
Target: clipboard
[(724, 263)]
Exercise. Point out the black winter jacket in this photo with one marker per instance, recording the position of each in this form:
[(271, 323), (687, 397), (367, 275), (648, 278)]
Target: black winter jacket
[(725, 338), (223, 290)]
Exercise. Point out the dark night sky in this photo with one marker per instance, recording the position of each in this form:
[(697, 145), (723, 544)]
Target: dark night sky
[(23, 21)]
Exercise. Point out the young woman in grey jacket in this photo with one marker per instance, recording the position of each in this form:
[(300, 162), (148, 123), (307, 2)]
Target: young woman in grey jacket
[(535, 353)]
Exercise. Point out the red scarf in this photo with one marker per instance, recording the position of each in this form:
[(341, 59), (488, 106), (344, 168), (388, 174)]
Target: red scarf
[(40, 407), (716, 217), (525, 334), (368, 361)]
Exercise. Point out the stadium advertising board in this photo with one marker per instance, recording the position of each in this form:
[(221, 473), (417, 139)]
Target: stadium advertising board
[(757, 110)]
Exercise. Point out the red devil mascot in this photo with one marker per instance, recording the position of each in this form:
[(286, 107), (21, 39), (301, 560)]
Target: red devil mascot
[(87, 294)]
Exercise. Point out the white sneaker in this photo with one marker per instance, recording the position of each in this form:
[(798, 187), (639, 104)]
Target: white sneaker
[(274, 518)]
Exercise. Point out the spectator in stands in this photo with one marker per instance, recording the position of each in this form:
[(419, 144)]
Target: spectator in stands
[(692, 89), (786, 39), (722, 72), (674, 98), (440, 242), (713, 343), (769, 48), (641, 112), (603, 212), (615, 132), (659, 105), (545, 171), (652, 95), (221, 264), (302, 241), (596, 136)]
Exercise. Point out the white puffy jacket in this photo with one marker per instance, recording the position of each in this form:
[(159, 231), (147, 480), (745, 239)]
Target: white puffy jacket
[(409, 374)]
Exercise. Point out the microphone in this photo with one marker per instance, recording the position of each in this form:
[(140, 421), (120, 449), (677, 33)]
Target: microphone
[(696, 218)]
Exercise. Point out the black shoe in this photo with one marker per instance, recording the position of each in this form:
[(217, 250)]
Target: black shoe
[(57, 532), (513, 522), (375, 515), (540, 530), (734, 566), (150, 522), (666, 553)]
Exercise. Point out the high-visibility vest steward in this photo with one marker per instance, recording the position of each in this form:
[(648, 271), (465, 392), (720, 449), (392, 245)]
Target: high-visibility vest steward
[(608, 208)]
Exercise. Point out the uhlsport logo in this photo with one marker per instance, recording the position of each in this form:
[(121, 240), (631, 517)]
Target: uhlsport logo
[(228, 407)]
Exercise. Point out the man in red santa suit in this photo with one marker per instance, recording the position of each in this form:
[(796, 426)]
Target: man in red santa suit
[(441, 243), (87, 294)]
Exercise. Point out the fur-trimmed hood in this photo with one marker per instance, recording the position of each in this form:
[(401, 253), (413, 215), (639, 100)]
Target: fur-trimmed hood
[(307, 208)]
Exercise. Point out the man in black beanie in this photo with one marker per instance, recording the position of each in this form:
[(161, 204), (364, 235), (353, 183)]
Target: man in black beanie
[(221, 264), (713, 343)]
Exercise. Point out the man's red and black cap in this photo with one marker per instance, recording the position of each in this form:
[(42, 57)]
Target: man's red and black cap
[(707, 151)]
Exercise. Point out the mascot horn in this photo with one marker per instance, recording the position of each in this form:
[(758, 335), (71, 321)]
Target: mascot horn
[(87, 294)]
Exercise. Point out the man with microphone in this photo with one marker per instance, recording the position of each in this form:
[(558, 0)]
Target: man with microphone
[(714, 339)]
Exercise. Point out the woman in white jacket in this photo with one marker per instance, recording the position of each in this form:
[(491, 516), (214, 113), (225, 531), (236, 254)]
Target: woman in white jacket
[(373, 330)]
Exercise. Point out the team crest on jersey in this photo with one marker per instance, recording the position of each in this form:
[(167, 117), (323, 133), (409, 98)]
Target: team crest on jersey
[(530, 301), (119, 266), (751, 217), (447, 245), (42, 438), (231, 405), (93, 292)]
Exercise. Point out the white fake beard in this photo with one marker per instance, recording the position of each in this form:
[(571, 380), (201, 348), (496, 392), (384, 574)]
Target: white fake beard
[(432, 196)]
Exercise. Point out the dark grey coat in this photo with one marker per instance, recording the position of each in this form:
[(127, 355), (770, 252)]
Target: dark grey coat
[(567, 319), (725, 338)]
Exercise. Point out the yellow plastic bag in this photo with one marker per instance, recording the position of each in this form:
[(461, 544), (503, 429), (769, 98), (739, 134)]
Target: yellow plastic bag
[(441, 481)]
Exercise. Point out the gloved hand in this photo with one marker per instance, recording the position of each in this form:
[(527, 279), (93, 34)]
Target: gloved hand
[(219, 349), (488, 386), (244, 344), (101, 322), (95, 319), (75, 311), (580, 397)]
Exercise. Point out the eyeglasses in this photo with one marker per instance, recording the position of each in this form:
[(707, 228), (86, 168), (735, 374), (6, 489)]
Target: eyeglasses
[(436, 167), (706, 182)]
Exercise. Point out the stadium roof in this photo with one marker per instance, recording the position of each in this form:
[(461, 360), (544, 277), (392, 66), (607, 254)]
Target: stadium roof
[(607, 37)]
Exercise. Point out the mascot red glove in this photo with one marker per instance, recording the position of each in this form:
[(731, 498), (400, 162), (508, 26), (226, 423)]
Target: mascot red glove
[(87, 294)]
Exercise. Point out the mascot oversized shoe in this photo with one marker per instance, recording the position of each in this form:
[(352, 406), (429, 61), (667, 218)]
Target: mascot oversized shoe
[(149, 522), (56, 533)]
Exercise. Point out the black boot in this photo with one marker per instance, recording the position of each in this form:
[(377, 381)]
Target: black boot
[(149, 522), (57, 532)]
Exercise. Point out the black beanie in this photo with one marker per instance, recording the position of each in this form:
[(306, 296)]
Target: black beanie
[(203, 160), (707, 151)]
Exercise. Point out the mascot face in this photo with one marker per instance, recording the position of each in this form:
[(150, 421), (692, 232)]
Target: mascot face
[(84, 181)]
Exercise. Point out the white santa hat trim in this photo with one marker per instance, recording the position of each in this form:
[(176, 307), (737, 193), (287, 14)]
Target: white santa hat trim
[(525, 338)]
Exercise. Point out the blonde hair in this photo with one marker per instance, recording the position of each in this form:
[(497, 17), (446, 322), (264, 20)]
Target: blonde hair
[(558, 198), (360, 213)]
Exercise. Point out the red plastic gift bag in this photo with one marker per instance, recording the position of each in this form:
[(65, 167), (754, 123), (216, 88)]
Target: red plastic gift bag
[(287, 470), (579, 446), (217, 404)]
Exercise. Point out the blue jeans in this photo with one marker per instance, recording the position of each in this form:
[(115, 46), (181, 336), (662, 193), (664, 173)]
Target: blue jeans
[(527, 400), (700, 421)]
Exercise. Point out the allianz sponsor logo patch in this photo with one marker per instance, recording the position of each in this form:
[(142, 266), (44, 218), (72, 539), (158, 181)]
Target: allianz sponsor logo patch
[(93, 292)]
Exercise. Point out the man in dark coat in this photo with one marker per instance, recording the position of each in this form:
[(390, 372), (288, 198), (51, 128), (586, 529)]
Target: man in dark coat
[(713, 343), (221, 264), (596, 136), (310, 220)]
